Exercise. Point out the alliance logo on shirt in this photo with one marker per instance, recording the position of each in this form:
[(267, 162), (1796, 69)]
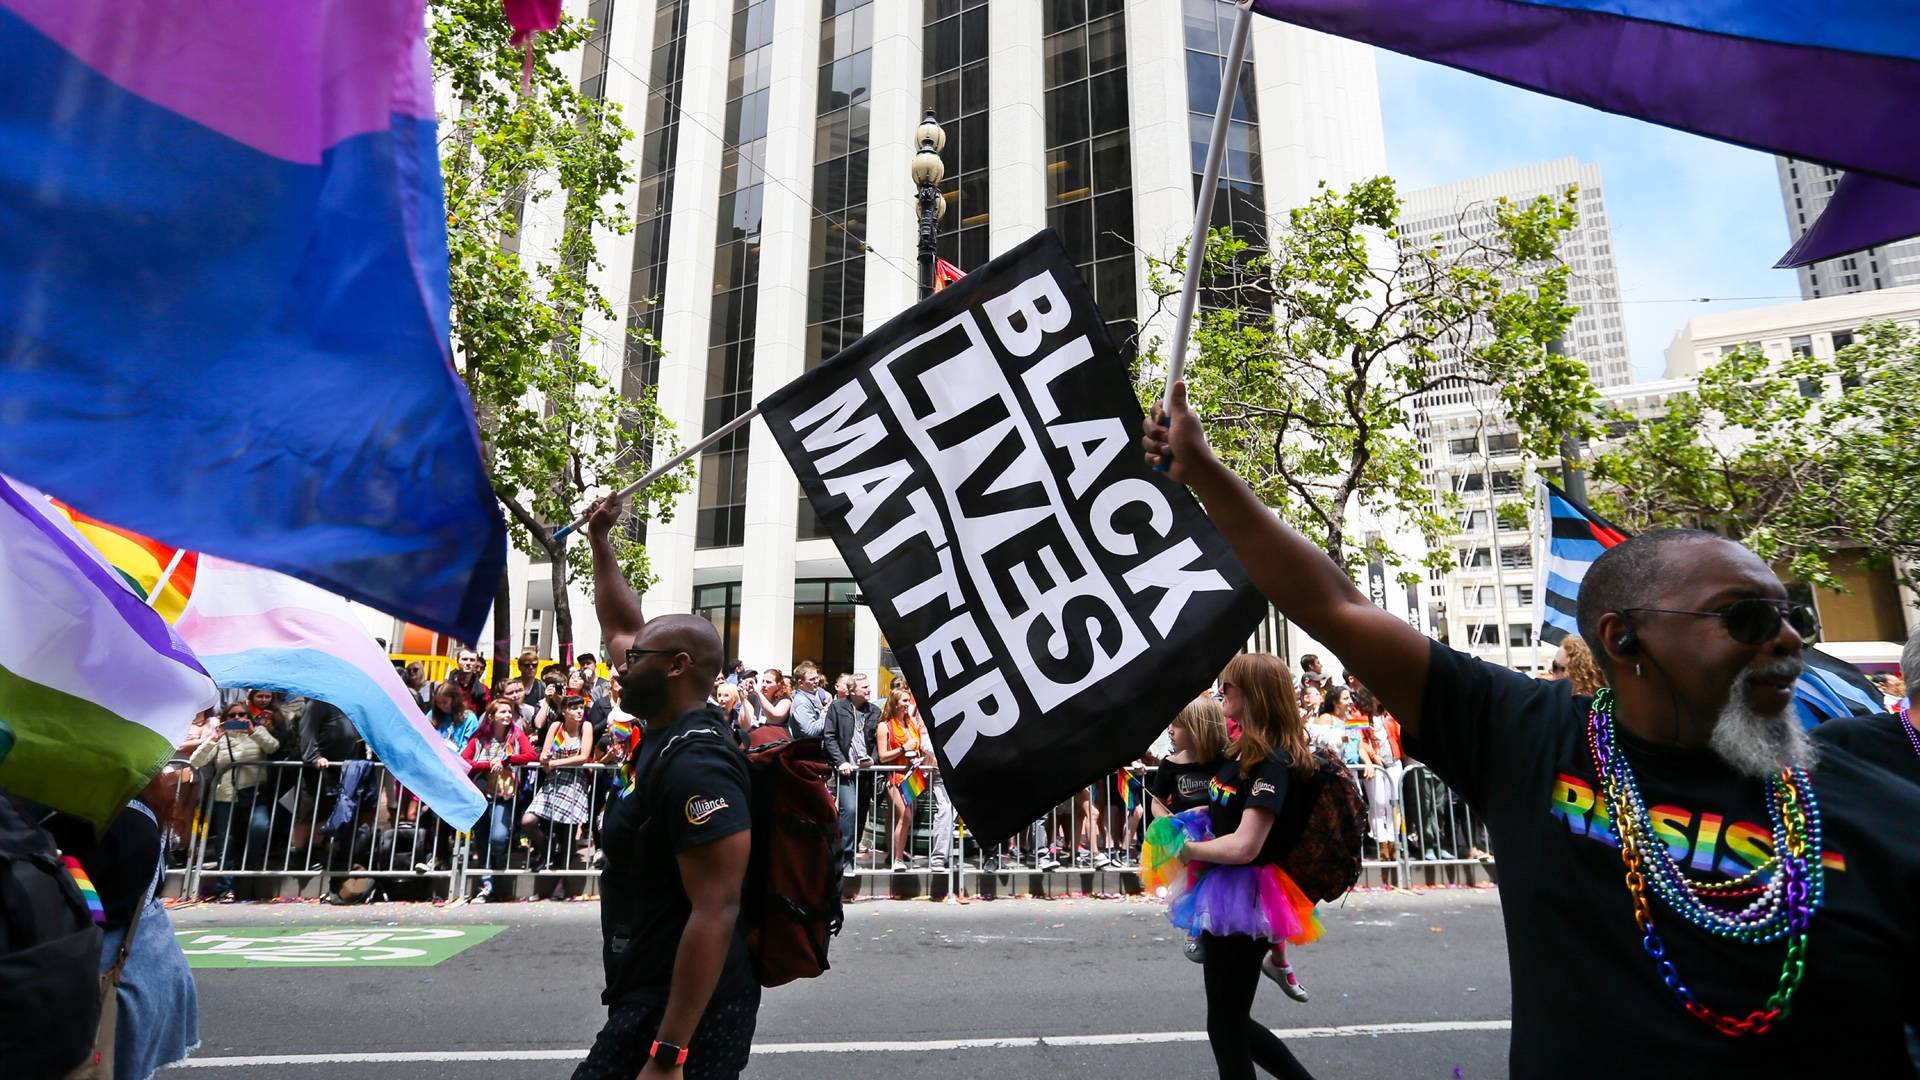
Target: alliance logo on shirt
[(1261, 787), (702, 807)]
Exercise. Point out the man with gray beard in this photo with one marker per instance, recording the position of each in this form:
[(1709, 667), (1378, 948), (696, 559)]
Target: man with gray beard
[(1688, 889), (1889, 740)]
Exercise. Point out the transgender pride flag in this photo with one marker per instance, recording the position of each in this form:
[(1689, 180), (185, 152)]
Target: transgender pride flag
[(96, 686), (223, 261), (258, 629)]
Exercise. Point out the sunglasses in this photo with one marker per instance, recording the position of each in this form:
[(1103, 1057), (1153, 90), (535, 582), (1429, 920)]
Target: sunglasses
[(634, 655), (1755, 619)]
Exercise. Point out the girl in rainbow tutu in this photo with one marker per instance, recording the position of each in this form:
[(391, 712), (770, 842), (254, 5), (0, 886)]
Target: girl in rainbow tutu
[(1219, 864)]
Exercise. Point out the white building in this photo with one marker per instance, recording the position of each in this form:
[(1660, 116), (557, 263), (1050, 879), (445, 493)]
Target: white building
[(1805, 189), (1486, 605), (776, 223), (1458, 215), (1810, 327)]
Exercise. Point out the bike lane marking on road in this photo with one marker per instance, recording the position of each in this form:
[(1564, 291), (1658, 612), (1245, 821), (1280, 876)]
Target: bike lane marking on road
[(1016, 1042), (328, 946)]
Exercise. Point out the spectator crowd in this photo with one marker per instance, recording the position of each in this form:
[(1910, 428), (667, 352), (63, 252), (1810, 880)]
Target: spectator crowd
[(289, 787)]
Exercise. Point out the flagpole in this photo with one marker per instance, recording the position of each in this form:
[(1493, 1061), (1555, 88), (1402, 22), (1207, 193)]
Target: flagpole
[(1203, 200), (668, 466), (1493, 524), (1543, 547), (160, 584)]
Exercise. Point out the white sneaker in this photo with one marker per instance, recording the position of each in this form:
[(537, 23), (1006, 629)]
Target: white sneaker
[(899, 866), (1283, 974)]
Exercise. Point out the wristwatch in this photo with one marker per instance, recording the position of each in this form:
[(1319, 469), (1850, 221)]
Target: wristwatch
[(667, 1054)]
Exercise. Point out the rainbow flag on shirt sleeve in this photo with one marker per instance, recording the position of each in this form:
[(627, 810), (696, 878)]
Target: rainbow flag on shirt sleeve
[(97, 687)]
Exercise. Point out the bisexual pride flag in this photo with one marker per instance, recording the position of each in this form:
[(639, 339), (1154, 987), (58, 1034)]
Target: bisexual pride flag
[(1834, 82), (223, 256), (1828, 688)]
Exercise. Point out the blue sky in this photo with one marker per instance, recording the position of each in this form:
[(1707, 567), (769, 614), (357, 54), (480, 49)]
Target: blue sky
[(1691, 216)]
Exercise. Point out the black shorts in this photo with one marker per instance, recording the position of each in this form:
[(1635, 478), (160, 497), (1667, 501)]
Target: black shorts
[(721, 1041)]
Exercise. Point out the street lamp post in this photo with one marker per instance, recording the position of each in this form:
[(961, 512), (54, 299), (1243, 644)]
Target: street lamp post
[(928, 171)]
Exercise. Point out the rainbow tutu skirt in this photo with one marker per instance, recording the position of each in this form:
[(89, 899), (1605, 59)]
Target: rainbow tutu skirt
[(1256, 901)]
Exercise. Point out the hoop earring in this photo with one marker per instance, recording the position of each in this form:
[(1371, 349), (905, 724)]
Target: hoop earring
[(1637, 671)]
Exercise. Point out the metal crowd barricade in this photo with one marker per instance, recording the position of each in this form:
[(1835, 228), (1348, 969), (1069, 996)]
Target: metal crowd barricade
[(539, 856), (281, 836), (277, 835)]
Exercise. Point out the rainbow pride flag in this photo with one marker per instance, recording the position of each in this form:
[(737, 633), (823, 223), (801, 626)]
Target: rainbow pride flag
[(913, 784), (227, 311), (141, 562), (97, 687)]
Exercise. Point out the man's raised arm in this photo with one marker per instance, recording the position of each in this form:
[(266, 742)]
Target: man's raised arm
[(1297, 577), (614, 601)]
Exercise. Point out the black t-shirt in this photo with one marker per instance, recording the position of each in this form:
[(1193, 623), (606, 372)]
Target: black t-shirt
[(1587, 1000), (1182, 785), (702, 796), (1880, 739), (1268, 786)]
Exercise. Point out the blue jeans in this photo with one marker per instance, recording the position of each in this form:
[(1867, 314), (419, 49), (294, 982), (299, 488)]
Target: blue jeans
[(849, 796), (499, 831), (237, 842)]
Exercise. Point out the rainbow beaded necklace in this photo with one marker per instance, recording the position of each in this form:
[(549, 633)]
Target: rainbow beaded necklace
[(1776, 900)]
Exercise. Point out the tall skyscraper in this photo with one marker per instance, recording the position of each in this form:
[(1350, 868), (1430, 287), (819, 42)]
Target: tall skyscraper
[(1486, 603), (775, 222), (1457, 213), (1805, 189)]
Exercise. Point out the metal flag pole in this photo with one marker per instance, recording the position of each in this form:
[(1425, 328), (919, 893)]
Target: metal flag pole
[(1203, 200), (668, 466)]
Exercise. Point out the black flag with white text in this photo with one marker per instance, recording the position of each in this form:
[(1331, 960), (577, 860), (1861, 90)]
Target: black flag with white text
[(1053, 601)]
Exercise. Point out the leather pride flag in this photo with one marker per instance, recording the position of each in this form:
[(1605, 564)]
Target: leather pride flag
[(1054, 601)]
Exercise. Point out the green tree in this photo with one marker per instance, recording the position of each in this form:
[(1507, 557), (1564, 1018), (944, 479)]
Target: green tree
[(552, 427), (1308, 357), (1799, 459)]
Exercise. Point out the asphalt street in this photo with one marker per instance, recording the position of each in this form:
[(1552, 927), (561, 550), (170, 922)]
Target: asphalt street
[(1402, 985)]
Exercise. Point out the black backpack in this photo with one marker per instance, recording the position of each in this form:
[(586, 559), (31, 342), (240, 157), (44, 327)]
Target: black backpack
[(49, 955), (1323, 838)]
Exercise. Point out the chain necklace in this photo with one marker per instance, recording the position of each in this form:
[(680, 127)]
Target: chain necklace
[(1776, 900)]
